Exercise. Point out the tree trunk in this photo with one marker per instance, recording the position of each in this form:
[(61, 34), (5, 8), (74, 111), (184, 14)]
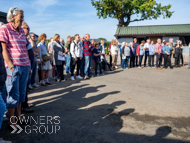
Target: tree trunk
[(122, 23)]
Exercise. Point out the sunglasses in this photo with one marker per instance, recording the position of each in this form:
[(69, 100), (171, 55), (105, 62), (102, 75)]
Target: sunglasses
[(27, 28)]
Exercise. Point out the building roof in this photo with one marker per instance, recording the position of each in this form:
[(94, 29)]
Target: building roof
[(180, 29), (3, 16)]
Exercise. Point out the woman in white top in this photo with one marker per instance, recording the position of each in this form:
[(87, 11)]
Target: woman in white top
[(45, 65), (102, 48), (114, 53)]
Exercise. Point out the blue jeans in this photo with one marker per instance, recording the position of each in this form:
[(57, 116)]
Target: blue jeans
[(16, 85), (3, 92), (140, 60), (88, 60), (82, 65), (68, 63), (34, 72), (2, 104), (125, 62), (189, 63)]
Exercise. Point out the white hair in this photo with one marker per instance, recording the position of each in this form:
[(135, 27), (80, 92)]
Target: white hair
[(130, 43), (158, 39), (170, 39), (24, 23), (13, 11), (61, 40), (87, 35), (123, 43), (1, 23)]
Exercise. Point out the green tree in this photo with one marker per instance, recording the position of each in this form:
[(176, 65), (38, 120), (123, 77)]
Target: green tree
[(102, 39), (124, 9)]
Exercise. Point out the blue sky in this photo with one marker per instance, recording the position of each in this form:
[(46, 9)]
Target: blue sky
[(79, 17)]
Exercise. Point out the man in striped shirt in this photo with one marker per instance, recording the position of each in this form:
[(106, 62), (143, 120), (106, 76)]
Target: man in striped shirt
[(87, 55)]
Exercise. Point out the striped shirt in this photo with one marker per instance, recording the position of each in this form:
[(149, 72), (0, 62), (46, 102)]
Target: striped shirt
[(87, 50), (16, 45)]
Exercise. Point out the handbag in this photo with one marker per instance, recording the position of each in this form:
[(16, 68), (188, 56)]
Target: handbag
[(46, 57), (97, 61)]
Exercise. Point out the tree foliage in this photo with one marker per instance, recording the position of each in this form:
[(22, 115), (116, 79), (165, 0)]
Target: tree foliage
[(124, 9), (102, 39)]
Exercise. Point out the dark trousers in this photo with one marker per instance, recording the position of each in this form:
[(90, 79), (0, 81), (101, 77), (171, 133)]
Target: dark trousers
[(151, 60), (104, 65), (110, 60), (96, 68), (167, 61), (158, 60), (132, 61), (59, 70), (177, 59), (74, 62), (25, 103), (182, 58), (140, 60), (146, 55), (136, 61), (82, 65)]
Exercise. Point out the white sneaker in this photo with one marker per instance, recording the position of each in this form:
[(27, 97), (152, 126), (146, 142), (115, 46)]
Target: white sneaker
[(116, 67), (79, 77), (72, 78), (35, 85), (30, 86)]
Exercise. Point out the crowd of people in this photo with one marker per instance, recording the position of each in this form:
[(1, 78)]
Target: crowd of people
[(21, 57)]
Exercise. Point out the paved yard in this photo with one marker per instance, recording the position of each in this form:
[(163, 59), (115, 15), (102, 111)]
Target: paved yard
[(124, 106)]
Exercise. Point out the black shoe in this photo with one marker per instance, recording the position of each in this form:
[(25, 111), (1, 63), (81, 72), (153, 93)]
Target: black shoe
[(28, 110), (43, 84), (48, 83), (30, 105)]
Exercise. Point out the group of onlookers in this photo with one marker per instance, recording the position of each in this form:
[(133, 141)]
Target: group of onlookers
[(23, 58), (149, 50)]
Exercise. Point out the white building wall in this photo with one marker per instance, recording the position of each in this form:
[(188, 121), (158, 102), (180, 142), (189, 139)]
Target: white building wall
[(121, 40), (175, 38)]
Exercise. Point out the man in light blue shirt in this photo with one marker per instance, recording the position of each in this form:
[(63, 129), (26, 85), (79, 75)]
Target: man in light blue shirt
[(166, 53)]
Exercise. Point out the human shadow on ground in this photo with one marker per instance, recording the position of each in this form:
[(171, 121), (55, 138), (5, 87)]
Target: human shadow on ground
[(85, 118)]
